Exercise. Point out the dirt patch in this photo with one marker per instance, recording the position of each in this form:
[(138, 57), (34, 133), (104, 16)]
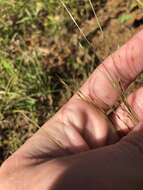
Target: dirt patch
[(119, 20)]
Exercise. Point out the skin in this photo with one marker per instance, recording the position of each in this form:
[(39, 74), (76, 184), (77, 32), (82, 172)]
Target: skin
[(79, 148)]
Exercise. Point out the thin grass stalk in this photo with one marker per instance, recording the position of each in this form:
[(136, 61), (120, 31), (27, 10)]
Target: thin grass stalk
[(115, 83), (96, 17), (140, 2), (77, 25), (23, 113)]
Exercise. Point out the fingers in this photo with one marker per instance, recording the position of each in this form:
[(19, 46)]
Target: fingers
[(54, 139), (82, 129), (92, 124), (77, 128), (125, 64), (87, 122), (76, 142), (121, 119)]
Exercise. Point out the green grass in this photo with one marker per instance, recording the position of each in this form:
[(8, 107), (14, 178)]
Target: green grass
[(30, 89)]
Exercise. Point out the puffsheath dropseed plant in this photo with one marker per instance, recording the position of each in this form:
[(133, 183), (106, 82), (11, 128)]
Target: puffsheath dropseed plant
[(117, 84)]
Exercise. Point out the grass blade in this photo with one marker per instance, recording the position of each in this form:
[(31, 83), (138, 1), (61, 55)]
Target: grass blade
[(71, 16), (98, 22)]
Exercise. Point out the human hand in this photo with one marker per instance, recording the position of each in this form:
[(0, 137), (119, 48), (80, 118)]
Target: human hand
[(72, 145)]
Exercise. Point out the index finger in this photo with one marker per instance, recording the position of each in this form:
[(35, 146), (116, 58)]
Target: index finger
[(124, 64)]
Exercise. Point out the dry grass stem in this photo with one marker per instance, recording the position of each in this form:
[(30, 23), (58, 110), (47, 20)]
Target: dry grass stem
[(140, 2), (116, 83), (23, 113), (71, 16), (65, 85), (96, 17), (89, 100)]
